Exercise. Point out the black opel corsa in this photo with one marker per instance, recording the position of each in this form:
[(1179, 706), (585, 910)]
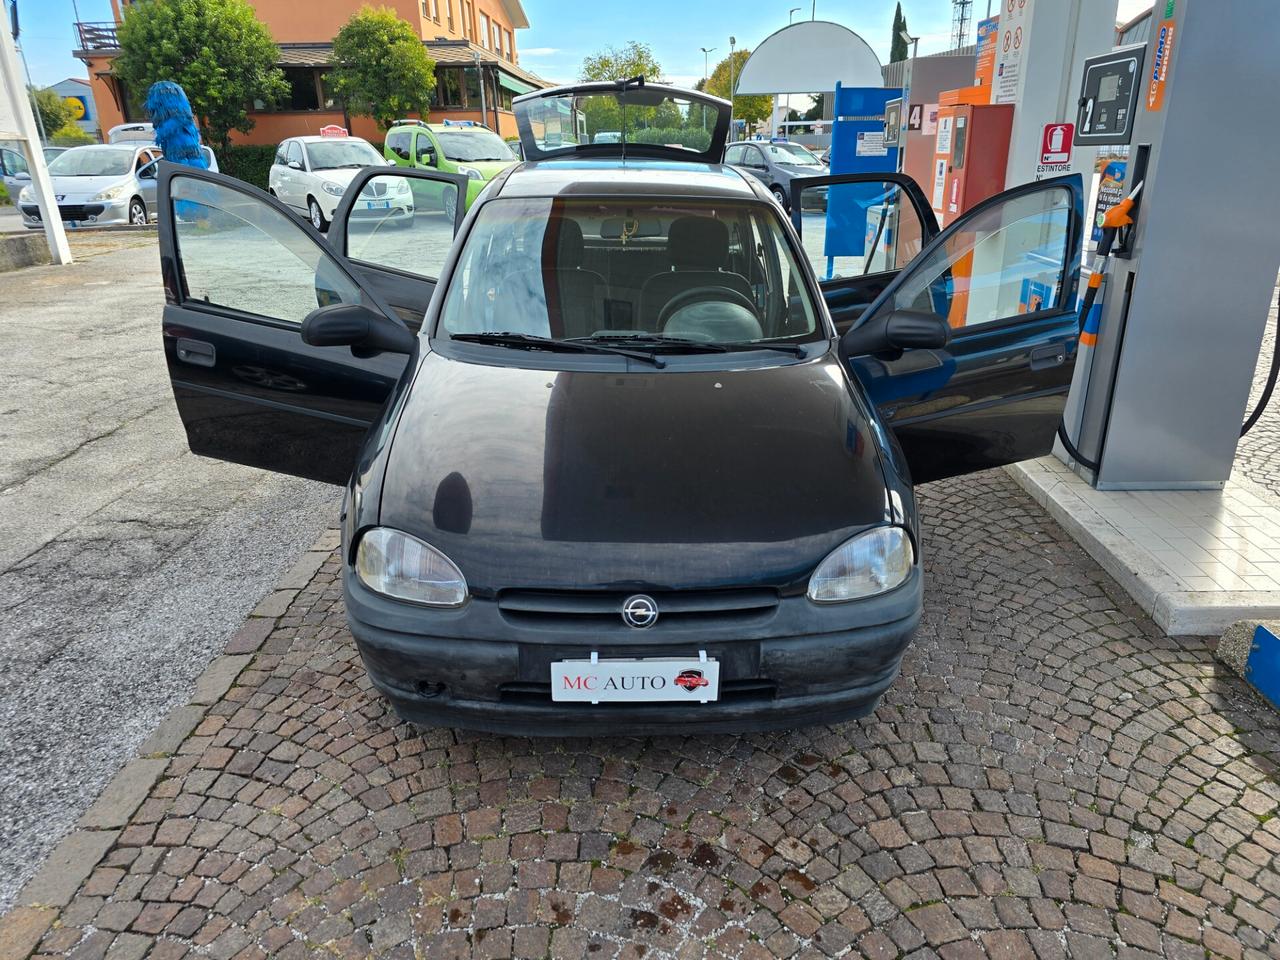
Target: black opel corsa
[(625, 449)]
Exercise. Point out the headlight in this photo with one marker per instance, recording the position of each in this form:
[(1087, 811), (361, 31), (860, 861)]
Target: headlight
[(113, 193), (26, 195), (398, 565), (471, 172), (333, 189), (870, 563)]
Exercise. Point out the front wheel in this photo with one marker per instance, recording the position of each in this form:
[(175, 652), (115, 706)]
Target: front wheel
[(780, 195), (137, 212), (450, 202), (316, 215)]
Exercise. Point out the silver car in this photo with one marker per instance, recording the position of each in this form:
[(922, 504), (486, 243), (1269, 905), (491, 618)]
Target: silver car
[(99, 185), (14, 170)]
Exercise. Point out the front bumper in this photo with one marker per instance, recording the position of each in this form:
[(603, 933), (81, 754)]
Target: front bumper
[(100, 213), (479, 668)]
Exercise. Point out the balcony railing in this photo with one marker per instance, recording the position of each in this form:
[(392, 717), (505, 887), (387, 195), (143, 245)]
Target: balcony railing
[(98, 36)]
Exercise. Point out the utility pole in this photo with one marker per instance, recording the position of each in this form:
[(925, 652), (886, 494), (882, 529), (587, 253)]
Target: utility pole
[(484, 109)]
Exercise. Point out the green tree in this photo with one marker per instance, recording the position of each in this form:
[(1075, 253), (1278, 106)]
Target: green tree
[(216, 50), (612, 63), (53, 110), (381, 69), (70, 135), (752, 109), (898, 43), (815, 112)]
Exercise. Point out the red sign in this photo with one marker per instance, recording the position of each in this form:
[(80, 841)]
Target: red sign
[(333, 130), (1055, 143)]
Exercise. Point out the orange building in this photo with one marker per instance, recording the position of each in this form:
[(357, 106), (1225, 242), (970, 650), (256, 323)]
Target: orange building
[(472, 41)]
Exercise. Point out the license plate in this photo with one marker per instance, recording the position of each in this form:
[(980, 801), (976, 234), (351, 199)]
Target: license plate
[(649, 680), (377, 204)]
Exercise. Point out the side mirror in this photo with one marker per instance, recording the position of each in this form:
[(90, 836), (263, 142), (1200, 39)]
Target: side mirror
[(895, 331), (22, 175), (354, 325), (148, 172), (428, 157), (294, 165)]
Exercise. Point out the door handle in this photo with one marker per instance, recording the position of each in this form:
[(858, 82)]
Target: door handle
[(197, 352), (1053, 355)]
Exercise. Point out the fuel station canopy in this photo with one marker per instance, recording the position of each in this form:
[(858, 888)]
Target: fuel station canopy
[(810, 57)]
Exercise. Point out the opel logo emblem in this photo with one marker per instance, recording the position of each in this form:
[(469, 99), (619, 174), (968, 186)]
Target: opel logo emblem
[(639, 612)]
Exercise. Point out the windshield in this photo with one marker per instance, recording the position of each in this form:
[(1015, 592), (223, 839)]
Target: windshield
[(653, 115), (332, 154), (705, 271), (472, 145), (791, 153), (92, 162)]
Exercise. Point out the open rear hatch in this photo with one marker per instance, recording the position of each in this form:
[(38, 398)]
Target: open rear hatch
[(622, 118)]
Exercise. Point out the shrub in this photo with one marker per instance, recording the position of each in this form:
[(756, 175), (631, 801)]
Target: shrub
[(70, 135), (248, 163), (4, 196)]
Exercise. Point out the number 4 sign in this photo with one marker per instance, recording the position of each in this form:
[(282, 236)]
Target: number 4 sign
[(915, 119)]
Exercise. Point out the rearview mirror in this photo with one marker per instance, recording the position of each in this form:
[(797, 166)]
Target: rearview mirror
[(895, 331), (22, 175), (356, 326)]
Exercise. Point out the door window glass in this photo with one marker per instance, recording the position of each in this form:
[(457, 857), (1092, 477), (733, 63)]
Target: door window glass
[(280, 154), (425, 149), (398, 143), (853, 229), (14, 162), (734, 155), (235, 251), (295, 152), (405, 223), (1006, 260)]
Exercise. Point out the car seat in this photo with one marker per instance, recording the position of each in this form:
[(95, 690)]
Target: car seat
[(699, 249)]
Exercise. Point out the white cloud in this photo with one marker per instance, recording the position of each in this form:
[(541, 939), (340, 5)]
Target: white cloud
[(539, 51)]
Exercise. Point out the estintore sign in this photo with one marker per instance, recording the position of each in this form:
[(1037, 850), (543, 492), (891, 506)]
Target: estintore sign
[(915, 118), (1055, 142)]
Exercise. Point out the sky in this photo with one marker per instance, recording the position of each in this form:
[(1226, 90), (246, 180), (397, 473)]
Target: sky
[(563, 32)]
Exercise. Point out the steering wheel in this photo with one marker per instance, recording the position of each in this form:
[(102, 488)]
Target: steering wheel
[(694, 295)]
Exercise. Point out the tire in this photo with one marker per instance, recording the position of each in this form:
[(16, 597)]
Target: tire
[(449, 202), (780, 195), (316, 215), (138, 213)]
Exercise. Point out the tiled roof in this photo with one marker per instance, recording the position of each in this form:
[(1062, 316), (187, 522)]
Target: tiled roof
[(442, 51)]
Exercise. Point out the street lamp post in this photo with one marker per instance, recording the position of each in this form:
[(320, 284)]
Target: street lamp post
[(792, 15), (914, 41), (706, 78), (732, 41), (484, 107)]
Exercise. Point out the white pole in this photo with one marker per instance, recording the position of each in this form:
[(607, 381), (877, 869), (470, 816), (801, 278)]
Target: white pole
[(19, 108)]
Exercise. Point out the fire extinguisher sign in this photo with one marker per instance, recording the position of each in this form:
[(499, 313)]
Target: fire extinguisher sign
[(1055, 143)]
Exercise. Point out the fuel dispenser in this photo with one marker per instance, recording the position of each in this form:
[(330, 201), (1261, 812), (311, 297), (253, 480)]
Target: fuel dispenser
[(970, 153), (1160, 401)]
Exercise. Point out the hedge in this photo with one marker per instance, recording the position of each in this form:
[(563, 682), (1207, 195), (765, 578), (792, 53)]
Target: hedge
[(252, 164), (693, 138)]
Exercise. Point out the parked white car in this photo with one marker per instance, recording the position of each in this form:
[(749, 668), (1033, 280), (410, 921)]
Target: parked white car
[(310, 174), (99, 185)]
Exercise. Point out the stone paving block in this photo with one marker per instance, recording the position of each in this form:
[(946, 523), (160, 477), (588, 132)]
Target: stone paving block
[(250, 636), (67, 868), (124, 794), (1049, 776), (21, 929), (173, 730), (300, 573), (218, 678), (274, 604)]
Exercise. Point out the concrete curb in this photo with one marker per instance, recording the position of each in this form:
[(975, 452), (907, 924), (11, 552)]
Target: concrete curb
[(39, 902)]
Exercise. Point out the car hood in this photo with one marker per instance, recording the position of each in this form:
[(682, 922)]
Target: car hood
[(488, 168), (342, 175), (669, 479), (77, 189)]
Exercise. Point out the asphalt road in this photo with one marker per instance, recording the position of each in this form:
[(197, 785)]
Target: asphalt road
[(125, 561), (10, 221)]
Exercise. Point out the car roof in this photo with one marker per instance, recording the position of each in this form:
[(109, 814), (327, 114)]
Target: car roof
[(614, 177)]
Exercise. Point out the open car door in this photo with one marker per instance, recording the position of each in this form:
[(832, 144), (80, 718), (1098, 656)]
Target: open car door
[(858, 230), (242, 274), (1003, 279)]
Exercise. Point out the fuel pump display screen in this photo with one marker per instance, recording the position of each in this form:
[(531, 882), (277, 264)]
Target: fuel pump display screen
[(1109, 96)]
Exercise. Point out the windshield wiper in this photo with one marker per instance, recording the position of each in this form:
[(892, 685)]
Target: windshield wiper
[(655, 340), (528, 341)]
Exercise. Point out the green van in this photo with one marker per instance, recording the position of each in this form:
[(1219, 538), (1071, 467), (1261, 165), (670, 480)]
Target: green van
[(454, 146)]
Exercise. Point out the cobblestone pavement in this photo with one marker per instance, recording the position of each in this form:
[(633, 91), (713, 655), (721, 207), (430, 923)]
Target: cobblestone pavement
[(1258, 454), (1050, 776)]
